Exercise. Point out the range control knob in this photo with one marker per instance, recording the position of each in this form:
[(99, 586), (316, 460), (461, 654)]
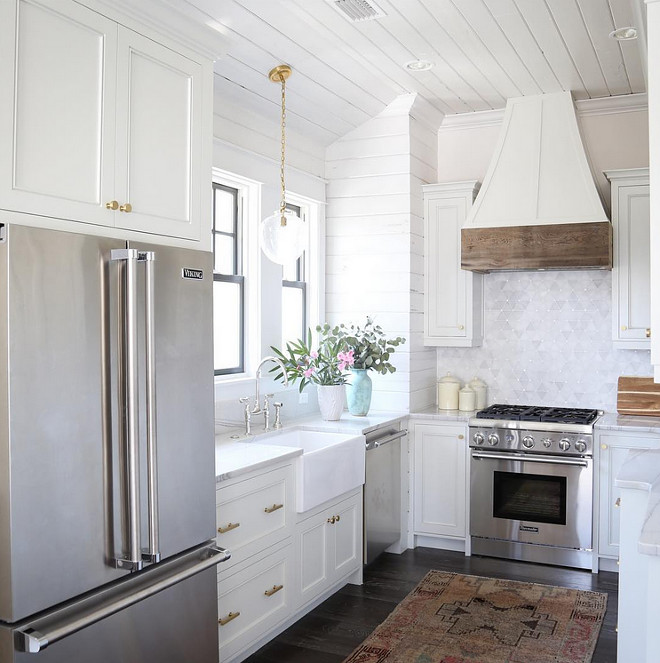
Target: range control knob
[(564, 444), (510, 438), (493, 439), (581, 446), (528, 441), (547, 442), (478, 438)]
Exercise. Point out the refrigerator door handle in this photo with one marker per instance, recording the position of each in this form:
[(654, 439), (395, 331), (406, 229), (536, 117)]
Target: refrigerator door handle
[(152, 553), (33, 638), (127, 355)]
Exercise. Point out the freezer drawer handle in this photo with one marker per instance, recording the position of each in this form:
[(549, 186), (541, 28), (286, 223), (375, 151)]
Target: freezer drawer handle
[(230, 617), (275, 507), (229, 528), (274, 590), (33, 641)]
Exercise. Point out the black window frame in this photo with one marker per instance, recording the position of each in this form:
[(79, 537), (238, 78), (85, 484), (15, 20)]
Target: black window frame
[(232, 278), (300, 281)]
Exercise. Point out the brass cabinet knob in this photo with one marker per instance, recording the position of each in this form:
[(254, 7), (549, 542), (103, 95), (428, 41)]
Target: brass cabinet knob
[(273, 590), (337, 518), (618, 502), (461, 327), (461, 437), (126, 207), (623, 328), (603, 446), (332, 520), (113, 205), (648, 332), (228, 618)]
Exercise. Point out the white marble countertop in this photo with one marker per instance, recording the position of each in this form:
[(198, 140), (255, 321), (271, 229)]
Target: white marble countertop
[(641, 471), (625, 422), (236, 454)]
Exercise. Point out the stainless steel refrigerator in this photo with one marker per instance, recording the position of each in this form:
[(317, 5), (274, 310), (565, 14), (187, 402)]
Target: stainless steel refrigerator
[(107, 479)]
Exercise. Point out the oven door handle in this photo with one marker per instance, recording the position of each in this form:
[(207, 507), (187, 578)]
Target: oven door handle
[(531, 459)]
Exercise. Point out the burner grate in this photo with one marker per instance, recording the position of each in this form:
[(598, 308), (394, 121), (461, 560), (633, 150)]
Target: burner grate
[(562, 415)]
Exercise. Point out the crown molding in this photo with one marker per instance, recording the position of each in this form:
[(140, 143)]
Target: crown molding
[(627, 103)]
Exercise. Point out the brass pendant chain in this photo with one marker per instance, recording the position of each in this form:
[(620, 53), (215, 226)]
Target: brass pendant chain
[(282, 201)]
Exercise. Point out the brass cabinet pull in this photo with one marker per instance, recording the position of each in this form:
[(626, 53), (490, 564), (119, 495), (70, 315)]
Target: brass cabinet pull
[(624, 328), (461, 437), (461, 327), (126, 207), (274, 590), (603, 446), (275, 507), (338, 518), (228, 618), (332, 520), (229, 527), (618, 502), (648, 332), (113, 205)]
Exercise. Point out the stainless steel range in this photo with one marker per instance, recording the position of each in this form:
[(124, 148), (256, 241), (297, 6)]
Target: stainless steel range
[(531, 483)]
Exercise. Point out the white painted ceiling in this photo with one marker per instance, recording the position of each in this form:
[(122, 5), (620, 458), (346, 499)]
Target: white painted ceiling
[(484, 51)]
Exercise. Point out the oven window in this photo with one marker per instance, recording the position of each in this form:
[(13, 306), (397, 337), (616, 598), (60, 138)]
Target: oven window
[(532, 497)]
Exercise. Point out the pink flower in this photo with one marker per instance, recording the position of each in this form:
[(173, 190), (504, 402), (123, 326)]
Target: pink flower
[(314, 354), (308, 372), (342, 366), (345, 359)]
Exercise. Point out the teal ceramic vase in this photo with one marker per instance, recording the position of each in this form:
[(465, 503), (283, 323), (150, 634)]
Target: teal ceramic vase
[(358, 393)]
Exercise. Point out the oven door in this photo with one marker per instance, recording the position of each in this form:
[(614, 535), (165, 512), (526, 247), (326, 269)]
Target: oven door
[(530, 498)]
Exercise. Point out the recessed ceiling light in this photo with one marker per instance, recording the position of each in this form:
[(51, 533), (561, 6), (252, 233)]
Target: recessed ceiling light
[(418, 65), (624, 34)]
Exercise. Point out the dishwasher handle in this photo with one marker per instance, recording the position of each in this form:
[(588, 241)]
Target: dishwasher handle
[(376, 442)]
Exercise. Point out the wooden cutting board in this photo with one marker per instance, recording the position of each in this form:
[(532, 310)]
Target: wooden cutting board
[(639, 396)]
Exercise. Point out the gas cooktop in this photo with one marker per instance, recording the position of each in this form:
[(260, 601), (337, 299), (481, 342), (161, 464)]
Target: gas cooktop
[(532, 413)]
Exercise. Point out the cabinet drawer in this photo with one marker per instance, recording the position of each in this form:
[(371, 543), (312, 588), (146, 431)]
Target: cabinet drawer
[(253, 601), (253, 514)]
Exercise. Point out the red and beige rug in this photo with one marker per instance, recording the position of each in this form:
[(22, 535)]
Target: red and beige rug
[(453, 618)]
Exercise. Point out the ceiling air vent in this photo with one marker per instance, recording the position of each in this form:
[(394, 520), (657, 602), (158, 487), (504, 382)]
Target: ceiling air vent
[(358, 10)]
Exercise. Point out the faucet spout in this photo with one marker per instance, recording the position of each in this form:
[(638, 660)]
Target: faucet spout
[(265, 360)]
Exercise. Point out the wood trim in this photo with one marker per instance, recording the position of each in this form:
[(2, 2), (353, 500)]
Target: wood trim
[(555, 246), (640, 396)]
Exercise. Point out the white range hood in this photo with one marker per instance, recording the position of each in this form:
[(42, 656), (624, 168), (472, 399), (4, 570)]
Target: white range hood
[(538, 207)]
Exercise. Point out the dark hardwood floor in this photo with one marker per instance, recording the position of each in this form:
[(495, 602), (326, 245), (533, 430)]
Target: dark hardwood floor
[(332, 630)]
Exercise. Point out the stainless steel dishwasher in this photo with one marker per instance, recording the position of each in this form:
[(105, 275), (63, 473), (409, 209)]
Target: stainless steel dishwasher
[(382, 491)]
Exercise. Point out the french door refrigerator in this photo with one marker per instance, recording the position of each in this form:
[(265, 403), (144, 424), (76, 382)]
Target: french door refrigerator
[(107, 480)]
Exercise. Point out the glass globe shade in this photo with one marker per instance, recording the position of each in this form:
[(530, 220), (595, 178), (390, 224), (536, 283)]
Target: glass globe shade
[(283, 244)]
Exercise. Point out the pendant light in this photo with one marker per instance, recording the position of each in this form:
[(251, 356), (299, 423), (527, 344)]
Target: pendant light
[(283, 234)]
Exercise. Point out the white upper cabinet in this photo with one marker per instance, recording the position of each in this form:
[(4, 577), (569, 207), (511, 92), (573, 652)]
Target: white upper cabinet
[(631, 274), (105, 126), (453, 301)]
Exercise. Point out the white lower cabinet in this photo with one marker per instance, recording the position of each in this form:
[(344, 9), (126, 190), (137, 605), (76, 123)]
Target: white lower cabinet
[(329, 546), (440, 479), (281, 562), (613, 448), (253, 599)]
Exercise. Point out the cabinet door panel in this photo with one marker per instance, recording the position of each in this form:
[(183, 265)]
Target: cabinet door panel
[(440, 483), (345, 556), (159, 137), (312, 558), (612, 458), (59, 136)]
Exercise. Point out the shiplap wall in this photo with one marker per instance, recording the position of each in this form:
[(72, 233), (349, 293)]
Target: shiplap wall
[(375, 243)]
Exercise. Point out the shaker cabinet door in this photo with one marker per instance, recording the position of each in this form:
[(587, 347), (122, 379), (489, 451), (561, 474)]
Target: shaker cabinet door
[(159, 138), (57, 73)]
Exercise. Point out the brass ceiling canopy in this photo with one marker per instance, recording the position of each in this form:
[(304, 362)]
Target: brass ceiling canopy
[(279, 73)]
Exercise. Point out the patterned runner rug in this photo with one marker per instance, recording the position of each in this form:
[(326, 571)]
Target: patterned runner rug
[(454, 618)]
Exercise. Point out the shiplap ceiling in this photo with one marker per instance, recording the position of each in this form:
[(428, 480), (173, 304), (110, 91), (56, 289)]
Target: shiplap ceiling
[(484, 51)]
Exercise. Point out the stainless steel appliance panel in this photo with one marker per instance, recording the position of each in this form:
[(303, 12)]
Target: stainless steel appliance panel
[(54, 506), (382, 492), (184, 397), (575, 473), (175, 625)]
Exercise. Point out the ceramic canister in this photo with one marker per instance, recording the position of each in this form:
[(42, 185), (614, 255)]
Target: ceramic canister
[(481, 390), (467, 399), (448, 388)]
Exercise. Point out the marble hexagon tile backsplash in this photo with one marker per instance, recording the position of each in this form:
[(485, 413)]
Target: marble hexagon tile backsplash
[(547, 341)]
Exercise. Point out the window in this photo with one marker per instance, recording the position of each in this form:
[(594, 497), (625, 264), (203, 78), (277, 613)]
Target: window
[(294, 293), (228, 283)]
